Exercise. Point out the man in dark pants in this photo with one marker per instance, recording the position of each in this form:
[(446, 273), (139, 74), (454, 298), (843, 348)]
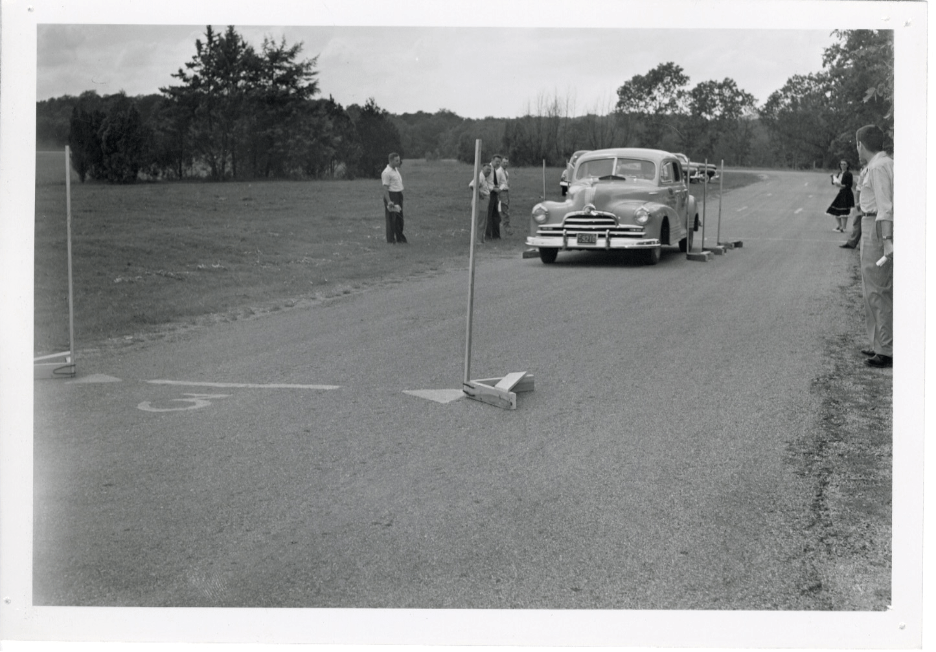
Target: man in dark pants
[(393, 199), (877, 245), (855, 238), (492, 229)]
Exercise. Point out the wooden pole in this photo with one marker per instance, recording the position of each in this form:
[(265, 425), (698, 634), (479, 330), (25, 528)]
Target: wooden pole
[(544, 179), (704, 188), (68, 218), (721, 186), (471, 257)]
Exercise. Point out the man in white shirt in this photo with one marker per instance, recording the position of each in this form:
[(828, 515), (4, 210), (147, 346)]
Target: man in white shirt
[(492, 229), (877, 245), (503, 181), (485, 183), (393, 199)]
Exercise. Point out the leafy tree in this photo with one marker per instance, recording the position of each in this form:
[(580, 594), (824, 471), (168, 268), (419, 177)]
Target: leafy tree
[(125, 142), (656, 98), (718, 119), (861, 67), (279, 122), (84, 138), (377, 136), (215, 84), (813, 118), (802, 120)]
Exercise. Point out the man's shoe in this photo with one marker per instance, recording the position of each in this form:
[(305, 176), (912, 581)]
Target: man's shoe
[(868, 352), (880, 361), (847, 246)]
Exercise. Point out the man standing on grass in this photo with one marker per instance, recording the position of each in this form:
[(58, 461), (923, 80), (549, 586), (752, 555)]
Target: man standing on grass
[(492, 229), (877, 245), (503, 207), (393, 199)]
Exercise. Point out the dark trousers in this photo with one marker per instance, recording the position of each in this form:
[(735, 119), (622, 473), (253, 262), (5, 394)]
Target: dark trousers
[(492, 230), (855, 236), (395, 220)]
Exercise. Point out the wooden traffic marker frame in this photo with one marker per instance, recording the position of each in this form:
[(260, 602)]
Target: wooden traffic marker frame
[(501, 391), (62, 365)]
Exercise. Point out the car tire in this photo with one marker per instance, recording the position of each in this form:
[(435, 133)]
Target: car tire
[(548, 254), (685, 245), (652, 255), (564, 190)]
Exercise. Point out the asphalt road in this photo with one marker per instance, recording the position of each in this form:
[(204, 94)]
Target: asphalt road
[(649, 469)]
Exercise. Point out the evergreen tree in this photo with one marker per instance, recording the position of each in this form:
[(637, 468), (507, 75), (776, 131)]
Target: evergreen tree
[(377, 137)]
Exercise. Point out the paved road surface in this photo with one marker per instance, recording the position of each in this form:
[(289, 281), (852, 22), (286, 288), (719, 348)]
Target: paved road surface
[(649, 469)]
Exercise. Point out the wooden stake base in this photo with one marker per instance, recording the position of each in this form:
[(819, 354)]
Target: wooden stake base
[(64, 368), (501, 392), (701, 256)]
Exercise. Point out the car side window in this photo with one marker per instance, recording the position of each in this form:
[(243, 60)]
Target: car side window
[(666, 173), (676, 175)]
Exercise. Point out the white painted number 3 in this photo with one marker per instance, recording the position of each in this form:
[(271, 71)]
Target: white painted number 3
[(196, 400)]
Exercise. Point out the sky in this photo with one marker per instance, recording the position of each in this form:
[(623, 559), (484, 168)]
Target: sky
[(473, 71)]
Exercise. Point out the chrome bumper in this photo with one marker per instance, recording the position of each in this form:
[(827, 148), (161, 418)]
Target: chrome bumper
[(603, 243)]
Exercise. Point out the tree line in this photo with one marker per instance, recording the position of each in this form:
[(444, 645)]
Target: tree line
[(239, 113)]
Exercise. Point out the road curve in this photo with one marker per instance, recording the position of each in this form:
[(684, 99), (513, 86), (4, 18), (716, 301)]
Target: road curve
[(285, 466)]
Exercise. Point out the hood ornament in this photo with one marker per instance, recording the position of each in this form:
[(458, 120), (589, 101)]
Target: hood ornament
[(589, 209)]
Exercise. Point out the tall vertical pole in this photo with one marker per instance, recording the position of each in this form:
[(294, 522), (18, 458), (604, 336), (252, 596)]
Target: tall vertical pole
[(471, 257), (721, 186), (68, 217), (704, 189), (544, 179)]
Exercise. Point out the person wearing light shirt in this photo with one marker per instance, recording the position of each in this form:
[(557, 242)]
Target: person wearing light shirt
[(392, 182), (485, 184), (876, 202), (493, 215), (503, 206)]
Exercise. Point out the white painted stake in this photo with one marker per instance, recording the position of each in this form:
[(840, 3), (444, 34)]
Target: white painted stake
[(721, 185), (471, 257), (501, 392), (704, 188), (68, 220)]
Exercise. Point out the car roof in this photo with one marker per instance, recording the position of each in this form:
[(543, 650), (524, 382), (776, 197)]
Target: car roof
[(655, 155)]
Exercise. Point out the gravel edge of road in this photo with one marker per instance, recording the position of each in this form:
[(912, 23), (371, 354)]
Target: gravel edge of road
[(848, 458)]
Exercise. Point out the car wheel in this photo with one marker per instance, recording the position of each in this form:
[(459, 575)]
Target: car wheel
[(652, 255), (564, 190), (548, 254)]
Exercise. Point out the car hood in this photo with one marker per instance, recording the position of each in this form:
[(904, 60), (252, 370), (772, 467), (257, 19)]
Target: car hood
[(605, 195)]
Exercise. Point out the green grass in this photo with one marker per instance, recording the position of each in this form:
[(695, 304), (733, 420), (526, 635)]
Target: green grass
[(151, 255)]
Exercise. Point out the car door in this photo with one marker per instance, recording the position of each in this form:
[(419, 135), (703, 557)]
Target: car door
[(675, 194)]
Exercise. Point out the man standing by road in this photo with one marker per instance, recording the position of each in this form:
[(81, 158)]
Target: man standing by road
[(393, 199), (503, 182), (492, 230), (855, 236), (877, 245)]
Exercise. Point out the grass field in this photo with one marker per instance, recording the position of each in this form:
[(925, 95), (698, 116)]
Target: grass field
[(153, 255)]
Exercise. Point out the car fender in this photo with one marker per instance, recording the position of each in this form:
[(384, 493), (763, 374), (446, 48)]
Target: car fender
[(625, 209)]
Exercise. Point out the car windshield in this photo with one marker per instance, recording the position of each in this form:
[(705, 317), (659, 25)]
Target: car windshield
[(628, 168)]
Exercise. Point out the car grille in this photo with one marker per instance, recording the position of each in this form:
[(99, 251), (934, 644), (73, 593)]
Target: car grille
[(602, 224)]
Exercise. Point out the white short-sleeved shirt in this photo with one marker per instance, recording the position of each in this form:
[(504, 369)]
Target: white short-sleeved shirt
[(392, 179), (877, 187)]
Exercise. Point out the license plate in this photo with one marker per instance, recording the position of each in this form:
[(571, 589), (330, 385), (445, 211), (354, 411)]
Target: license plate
[(587, 238)]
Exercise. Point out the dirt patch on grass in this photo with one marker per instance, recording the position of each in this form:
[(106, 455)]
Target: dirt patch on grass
[(848, 459)]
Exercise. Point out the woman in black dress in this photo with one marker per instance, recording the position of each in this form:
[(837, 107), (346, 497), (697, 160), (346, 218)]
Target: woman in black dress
[(844, 201)]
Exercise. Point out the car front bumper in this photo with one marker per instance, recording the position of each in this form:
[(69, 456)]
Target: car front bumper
[(601, 243)]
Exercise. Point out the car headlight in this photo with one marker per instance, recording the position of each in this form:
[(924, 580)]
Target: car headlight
[(540, 214), (641, 215)]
